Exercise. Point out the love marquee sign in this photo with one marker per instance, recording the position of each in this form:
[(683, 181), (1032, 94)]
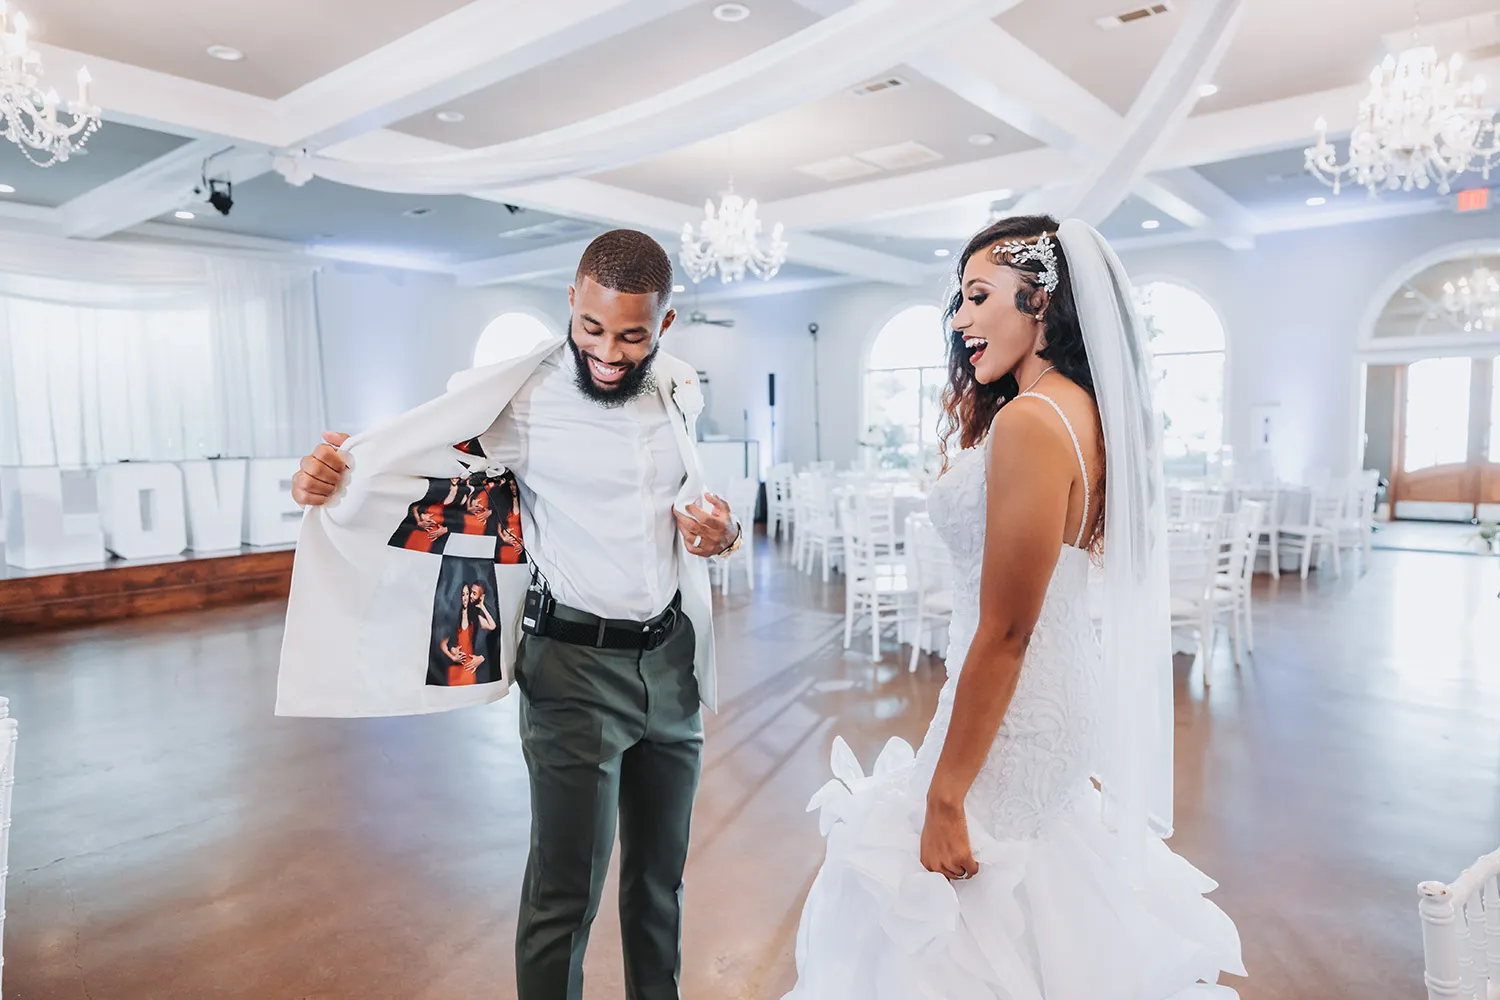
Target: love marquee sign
[(141, 510)]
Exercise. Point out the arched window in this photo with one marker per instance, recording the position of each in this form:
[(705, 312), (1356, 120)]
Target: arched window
[(906, 373), (509, 335), (1187, 340)]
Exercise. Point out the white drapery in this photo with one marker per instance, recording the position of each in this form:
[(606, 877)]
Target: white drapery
[(837, 52), (114, 352)]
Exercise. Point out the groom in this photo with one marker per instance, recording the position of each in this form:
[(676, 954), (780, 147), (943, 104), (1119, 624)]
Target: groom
[(610, 723)]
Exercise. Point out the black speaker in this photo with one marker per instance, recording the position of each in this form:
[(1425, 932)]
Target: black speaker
[(772, 385)]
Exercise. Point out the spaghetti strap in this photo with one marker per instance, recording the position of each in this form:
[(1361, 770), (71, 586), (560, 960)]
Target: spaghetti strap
[(1082, 465)]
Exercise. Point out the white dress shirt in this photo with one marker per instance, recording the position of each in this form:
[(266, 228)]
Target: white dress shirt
[(597, 485)]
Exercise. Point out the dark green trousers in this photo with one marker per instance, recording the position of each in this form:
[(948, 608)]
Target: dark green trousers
[(608, 735)]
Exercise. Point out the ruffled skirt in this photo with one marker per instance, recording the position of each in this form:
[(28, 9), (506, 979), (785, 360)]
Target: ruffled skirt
[(1046, 918)]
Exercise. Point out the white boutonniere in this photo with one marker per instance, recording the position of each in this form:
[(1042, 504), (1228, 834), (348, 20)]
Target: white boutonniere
[(688, 397)]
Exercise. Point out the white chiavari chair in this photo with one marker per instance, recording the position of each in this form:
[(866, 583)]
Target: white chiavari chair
[(1193, 562), (1325, 508), (779, 512), (1239, 538), (1269, 539), (932, 579), (818, 536), (876, 588), (1461, 933), (1200, 505)]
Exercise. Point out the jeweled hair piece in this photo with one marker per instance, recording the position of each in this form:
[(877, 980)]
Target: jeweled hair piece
[(1042, 252)]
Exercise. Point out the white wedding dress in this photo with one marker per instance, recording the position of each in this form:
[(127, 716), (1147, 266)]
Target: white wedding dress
[(1051, 915)]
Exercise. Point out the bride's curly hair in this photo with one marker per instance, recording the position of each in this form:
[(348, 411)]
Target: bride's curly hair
[(969, 407)]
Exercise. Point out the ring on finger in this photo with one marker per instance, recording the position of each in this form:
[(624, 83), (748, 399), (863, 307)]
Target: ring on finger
[(697, 540)]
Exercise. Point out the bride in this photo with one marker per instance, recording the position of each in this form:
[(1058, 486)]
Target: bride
[(1018, 854)]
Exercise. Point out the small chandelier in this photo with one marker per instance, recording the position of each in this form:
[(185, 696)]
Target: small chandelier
[(31, 118), (729, 242), (1417, 126), (1474, 300)]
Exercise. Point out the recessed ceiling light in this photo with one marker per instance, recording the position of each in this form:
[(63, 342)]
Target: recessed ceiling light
[(1208, 89), (184, 214), (731, 12), (7, 189), (678, 289), (981, 139), (940, 252), (416, 213), (228, 53), (1409, 294), (1317, 200), (449, 116), (1151, 224)]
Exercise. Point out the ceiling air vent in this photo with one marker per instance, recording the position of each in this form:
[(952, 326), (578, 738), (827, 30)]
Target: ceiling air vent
[(1138, 14), (840, 168), (555, 229), (878, 86), (900, 156)]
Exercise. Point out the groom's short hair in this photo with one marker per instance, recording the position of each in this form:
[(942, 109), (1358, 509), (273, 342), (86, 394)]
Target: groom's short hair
[(628, 261)]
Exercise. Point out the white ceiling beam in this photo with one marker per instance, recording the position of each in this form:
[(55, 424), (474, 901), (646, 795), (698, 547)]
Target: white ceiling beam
[(760, 289), (902, 193), (474, 47), (528, 265), (1194, 200), (992, 70), (1162, 105), (154, 188)]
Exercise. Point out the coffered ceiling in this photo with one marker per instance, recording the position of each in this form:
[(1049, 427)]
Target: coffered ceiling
[(880, 132)]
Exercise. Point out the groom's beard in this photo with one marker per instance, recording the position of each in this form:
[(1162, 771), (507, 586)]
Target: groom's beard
[(630, 385)]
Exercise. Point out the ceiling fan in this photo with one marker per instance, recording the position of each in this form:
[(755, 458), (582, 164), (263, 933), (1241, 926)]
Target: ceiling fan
[(697, 318)]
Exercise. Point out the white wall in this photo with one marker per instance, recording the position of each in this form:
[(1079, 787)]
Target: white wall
[(392, 338), (1292, 308)]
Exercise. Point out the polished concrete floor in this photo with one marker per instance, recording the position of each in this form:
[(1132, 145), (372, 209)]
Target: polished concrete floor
[(175, 841)]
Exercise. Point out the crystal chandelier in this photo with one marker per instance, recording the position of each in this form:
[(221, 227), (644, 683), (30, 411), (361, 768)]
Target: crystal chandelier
[(1418, 125), (1474, 300), (31, 117), (729, 242)]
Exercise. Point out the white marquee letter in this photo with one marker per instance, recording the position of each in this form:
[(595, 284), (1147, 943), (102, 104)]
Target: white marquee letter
[(141, 506), (272, 517), (215, 503), (42, 530)]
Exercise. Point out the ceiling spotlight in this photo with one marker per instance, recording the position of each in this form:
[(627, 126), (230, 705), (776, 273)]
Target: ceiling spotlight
[(449, 116), (941, 252), (1151, 224), (183, 214), (1409, 294), (7, 189), (227, 53), (981, 138), (1317, 200), (220, 194), (1208, 89), (730, 13), (678, 289)]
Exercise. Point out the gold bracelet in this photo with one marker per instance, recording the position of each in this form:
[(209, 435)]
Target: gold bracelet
[(739, 539)]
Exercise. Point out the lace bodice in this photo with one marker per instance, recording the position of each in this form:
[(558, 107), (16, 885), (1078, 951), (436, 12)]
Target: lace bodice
[(1043, 754)]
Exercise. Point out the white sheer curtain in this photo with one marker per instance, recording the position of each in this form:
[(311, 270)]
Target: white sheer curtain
[(110, 353)]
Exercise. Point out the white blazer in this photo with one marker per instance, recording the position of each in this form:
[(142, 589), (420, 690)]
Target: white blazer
[(360, 622)]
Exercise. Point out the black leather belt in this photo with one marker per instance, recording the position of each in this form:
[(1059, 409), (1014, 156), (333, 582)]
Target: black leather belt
[(579, 628)]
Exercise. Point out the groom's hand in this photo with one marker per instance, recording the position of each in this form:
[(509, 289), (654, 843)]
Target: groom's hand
[(706, 532)]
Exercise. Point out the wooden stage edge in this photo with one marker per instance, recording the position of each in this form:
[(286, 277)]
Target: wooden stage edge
[(36, 600)]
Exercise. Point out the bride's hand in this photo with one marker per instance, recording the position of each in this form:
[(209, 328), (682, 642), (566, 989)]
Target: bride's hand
[(945, 841)]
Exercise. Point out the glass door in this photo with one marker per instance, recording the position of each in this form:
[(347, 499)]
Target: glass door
[(1447, 465)]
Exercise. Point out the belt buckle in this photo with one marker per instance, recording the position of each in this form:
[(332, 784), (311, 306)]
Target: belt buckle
[(663, 628)]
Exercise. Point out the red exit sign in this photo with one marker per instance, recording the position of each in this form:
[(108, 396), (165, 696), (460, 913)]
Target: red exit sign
[(1476, 200)]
